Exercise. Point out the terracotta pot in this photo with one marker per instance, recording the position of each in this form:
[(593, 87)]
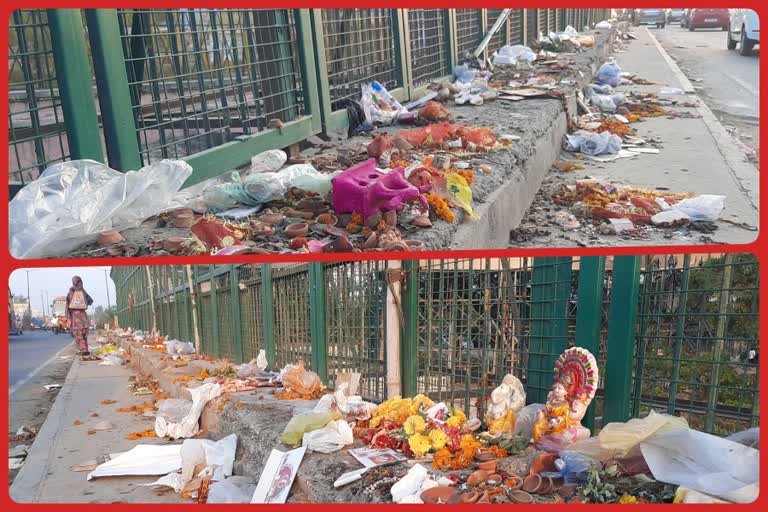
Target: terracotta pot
[(273, 219), (493, 479), (180, 211), (115, 250), (469, 497), (567, 490), (514, 482), (109, 236), (489, 465), (439, 495), (478, 477), (547, 486), (415, 245), (544, 463), (294, 230), (173, 244), (262, 229), (422, 221), (532, 483), (485, 455), (372, 242), (520, 497), (184, 220), (390, 217)]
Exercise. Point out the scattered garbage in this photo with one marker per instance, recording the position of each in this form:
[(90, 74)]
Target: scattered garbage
[(671, 91), (178, 418), (176, 347), (141, 460), (514, 55), (112, 360), (331, 438), (380, 106), (234, 489), (591, 143), (49, 387), (609, 73), (72, 202), (305, 422)]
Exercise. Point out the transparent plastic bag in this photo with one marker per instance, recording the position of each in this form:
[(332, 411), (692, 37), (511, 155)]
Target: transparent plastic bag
[(112, 360), (72, 202), (235, 489), (609, 73), (514, 54), (749, 437), (173, 410), (591, 143), (303, 423), (704, 207), (331, 438), (573, 467), (300, 380), (176, 347), (176, 427), (526, 418)]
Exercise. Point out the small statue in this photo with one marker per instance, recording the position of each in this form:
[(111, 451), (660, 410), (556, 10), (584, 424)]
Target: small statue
[(559, 423), (506, 402)]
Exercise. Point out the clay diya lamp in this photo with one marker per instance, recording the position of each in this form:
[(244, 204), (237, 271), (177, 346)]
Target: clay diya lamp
[(273, 219), (180, 211), (372, 242), (109, 236), (532, 483), (328, 219), (312, 204), (489, 465), (415, 245), (519, 496), (547, 486), (184, 220), (439, 495), (544, 463), (469, 497), (514, 482), (478, 477), (298, 229), (493, 479), (421, 221), (485, 498), (262, 229), (173, 244)]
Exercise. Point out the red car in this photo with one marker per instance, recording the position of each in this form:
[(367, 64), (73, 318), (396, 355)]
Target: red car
[(708, 18)]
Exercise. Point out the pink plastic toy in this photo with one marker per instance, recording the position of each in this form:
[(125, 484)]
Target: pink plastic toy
[(364, 189)]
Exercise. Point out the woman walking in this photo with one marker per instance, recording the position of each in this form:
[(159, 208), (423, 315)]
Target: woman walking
[(78, 301)]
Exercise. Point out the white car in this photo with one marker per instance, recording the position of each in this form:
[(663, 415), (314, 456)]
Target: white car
[(744, 30)]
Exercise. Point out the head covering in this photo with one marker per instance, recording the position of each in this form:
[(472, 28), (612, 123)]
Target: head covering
[(77, 283)]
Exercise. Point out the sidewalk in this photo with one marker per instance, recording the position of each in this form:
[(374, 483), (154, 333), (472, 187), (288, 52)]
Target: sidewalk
[(696, 155), (47, 477)]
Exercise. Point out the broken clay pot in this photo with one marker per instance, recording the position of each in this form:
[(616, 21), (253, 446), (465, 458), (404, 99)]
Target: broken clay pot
[(306, 215), (180, 211), (514, 482), (440, 495), (421, 221), (478, 477), (494, 479), (327, 218), (544, 463), (262, 229), (485, 455), (567, 490), (390, 217), (489, 465), (109, 236), (469, 497), (298, 229), (275, 219), (415, 245), (312, 204), (372, 242), (485, 498)]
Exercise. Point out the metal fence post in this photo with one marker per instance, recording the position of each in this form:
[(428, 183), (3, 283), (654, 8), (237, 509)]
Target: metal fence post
[(321, 66), (114, 93), (622, 328), (73, 74), (268, 312), (214, 317), (451, 38), (317, 320), (402, 48), (719, 340), (589, 313), (237, 334), (541, 294), (409, 352), (309, 75)]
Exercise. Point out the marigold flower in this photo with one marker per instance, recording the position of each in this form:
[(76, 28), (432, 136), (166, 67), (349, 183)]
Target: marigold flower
[(437, 438), (414, 425), (419, 444)]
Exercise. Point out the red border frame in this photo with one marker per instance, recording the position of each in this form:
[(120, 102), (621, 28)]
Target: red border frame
[(10, 264)]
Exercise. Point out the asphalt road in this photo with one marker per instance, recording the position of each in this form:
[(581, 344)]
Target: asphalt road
[(31, 350), (730, 83)]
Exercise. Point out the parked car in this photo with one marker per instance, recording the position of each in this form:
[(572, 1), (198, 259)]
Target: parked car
[(708, 18), (38, 324), (674, 15), (744, 30), (650, 17)]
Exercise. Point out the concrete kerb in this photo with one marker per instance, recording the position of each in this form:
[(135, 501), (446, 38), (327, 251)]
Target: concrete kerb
[(258, 419), (744, 173), (28, 482)]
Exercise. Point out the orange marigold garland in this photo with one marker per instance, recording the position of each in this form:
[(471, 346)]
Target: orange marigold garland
[(441, 208), (467, 174)]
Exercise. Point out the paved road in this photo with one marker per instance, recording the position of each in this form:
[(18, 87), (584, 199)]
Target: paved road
[(730, 83), (32, 349)]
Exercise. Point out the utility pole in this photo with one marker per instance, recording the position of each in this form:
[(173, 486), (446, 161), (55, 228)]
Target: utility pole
[(29, 299), (42, 302), (106, 285)]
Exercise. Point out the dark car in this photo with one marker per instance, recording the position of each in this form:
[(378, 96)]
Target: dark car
[(708, 18), (37, 324), (656, 17)]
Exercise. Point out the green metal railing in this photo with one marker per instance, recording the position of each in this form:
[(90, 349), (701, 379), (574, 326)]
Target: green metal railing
[(678, 335), (204, 84)]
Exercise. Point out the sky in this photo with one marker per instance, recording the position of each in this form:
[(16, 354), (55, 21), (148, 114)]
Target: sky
[(56, 281)]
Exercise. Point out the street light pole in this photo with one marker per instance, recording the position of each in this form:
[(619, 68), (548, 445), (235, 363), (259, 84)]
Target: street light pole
[(29, 299), (106, 284)]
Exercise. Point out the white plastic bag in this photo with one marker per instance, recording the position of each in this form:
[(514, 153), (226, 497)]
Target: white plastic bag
[(603, 25), (268, 161), (261, 360), (187, 426), (144, 459), (704, 207), (409, 484), (72, 202), (749, 437), (176, 347), (332, 437), (705, 463), (525, 419), (591, 143), (112, 360), (514, 55), (173, 410)]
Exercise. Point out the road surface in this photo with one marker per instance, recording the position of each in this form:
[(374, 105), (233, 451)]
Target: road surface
[(729, 82), (31, 350)]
